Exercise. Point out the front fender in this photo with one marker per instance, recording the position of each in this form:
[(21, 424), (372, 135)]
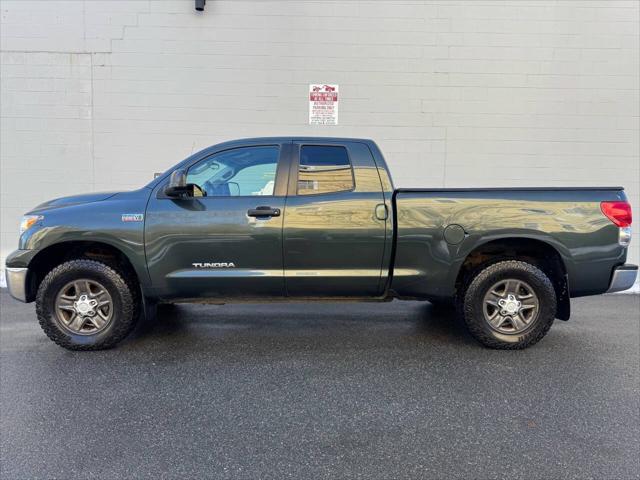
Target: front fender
[(117, 222)]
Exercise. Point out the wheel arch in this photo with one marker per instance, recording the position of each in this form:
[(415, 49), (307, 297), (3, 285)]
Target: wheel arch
[(538, 252), (53, 255)]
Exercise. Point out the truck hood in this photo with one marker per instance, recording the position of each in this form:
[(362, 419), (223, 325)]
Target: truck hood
[(74, 200)]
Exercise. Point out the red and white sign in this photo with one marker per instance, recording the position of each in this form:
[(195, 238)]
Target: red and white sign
[(323, 104)]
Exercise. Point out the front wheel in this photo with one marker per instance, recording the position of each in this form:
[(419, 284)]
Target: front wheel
[(509, 305), (86, 305)]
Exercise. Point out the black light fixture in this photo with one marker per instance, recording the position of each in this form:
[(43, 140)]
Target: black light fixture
[(200, 5)]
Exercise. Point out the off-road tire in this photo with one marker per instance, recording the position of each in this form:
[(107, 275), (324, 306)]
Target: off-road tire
[(470, 304), (124, 296)]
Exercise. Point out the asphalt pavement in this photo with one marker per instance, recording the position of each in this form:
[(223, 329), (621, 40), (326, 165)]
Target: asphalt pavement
[(304, 391)]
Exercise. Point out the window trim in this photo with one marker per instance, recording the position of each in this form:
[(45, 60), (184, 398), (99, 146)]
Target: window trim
[(295, 166), (281, 179)]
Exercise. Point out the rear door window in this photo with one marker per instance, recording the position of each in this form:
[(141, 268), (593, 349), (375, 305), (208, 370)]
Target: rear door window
[(324, 169)]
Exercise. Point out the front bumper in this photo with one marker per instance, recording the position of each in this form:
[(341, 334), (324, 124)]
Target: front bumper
[(17, 282), (623, 278)]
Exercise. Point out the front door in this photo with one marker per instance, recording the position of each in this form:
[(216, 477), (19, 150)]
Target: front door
[(335, 222), (227, 243)]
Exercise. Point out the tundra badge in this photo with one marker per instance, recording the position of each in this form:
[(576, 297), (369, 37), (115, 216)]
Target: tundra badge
[(214, 265)]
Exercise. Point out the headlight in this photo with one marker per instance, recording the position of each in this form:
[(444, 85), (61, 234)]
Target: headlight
[(29, 221)]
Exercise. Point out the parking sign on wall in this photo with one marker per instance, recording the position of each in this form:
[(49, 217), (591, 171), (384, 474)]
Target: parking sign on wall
[(323, 104)]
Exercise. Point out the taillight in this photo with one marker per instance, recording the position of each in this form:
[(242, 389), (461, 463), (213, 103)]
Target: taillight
[(618, 212)]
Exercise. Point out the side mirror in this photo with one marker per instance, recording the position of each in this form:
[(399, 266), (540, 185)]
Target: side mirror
[(179, 188)]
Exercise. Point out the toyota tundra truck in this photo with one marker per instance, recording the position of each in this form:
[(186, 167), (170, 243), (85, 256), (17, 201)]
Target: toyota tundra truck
[(316, 219)]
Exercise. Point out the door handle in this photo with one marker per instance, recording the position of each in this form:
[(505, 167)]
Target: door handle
[(263, 211)]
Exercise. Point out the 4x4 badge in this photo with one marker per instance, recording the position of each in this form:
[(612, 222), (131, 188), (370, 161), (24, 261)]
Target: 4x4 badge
[(132, 217)]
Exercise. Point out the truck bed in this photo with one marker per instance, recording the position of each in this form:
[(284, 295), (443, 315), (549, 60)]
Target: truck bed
[(436, 229)]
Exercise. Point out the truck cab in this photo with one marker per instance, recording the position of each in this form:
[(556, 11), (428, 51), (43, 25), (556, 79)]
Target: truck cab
[(271, 218)]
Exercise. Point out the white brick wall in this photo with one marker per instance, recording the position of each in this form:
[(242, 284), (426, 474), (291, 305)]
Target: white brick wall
[(100, 94)]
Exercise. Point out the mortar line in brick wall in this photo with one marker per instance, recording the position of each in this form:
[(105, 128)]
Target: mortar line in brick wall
[(444, 166), (56, 52), (84, 24)]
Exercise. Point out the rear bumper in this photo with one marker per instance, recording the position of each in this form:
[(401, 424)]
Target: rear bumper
[(17, 282), (623, 278)]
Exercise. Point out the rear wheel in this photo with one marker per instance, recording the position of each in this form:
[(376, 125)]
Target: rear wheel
[(509, 305), (86, 305)]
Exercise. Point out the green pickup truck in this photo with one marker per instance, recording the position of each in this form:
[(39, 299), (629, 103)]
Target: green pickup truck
[(316, 219)]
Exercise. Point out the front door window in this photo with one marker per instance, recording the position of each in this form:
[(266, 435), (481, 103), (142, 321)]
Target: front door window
[(240, 172)]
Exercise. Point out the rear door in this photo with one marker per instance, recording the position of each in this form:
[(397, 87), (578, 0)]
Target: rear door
[(229, 242), (335, 222)]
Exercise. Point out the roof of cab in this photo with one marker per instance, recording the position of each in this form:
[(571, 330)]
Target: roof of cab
[(254, 140)]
